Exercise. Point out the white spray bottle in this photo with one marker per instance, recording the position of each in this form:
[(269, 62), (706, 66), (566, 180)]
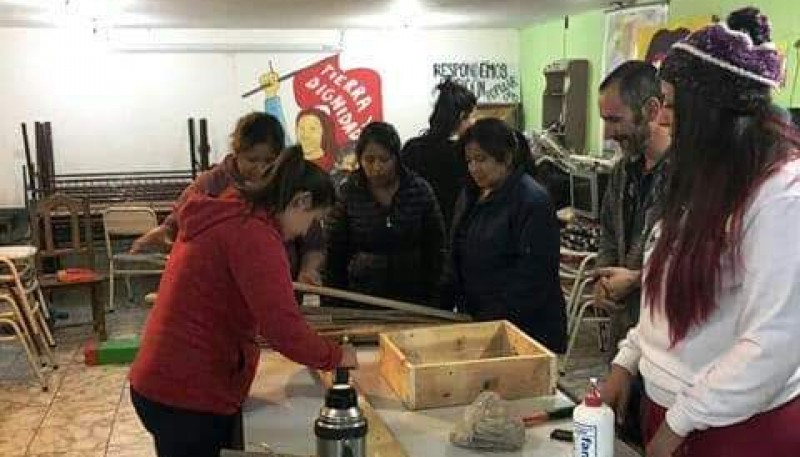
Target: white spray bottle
[(593, 426)]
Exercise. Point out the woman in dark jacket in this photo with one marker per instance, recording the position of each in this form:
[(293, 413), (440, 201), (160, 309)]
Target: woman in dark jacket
[(385, 236), (434, 154), (505, 245)]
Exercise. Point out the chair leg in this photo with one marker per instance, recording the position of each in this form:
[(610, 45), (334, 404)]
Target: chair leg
[(573, 334), (98, 313), (42, 301), (604, 342), (48, 335), (111, 277), (27, 346), (129, 288)]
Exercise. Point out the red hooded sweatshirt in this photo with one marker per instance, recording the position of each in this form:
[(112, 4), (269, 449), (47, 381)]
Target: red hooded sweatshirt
[(226, 281)]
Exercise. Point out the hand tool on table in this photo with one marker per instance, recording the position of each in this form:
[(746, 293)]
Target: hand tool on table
[(541, 417)]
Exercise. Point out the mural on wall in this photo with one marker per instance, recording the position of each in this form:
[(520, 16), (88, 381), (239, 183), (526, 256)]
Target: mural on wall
[(492, 82), (663, 38), (333, 106), (629, 33)]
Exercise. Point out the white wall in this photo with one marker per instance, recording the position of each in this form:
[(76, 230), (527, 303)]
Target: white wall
[(113, 111)]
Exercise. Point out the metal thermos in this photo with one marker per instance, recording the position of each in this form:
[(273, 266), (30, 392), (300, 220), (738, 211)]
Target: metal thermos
[(341, 427)]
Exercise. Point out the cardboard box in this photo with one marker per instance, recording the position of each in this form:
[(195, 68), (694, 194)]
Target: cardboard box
[(450, 365)]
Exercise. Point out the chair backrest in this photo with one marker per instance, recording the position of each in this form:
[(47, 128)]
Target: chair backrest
[(57, 208), (127, 221), (13, 289)]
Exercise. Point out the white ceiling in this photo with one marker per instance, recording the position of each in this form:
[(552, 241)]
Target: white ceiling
[(299, 14)]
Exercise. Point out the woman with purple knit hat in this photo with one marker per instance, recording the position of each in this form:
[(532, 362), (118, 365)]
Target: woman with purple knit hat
[(717, 340)]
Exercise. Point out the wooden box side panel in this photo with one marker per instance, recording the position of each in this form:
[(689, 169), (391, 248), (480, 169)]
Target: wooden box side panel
[(460, 383), (522, 344), (450, 343), (395, 370)]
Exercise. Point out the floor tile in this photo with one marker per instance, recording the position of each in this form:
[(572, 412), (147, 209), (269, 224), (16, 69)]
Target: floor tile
[(65, 413), (142, 449), (20, 417), (93, 384), (86, 453), (76, 437), (28, 391)]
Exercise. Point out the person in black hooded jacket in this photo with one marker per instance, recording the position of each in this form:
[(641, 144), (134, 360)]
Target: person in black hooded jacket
[(385, 236), (504, 252), (434, 154)]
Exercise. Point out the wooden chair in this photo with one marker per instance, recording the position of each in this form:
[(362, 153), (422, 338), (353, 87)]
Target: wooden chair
[(56, 208)]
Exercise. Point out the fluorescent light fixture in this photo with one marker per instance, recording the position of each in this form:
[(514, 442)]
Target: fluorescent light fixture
[(189, 48)]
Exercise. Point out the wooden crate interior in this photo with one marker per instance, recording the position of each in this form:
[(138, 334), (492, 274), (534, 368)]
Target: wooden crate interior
[(453, 344)]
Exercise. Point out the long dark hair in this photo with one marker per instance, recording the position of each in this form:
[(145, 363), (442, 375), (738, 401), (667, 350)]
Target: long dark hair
[(719, 158), (454, 104), (524, 157), (287, 176)]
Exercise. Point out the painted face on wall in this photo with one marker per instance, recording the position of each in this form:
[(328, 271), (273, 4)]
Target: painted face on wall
[(309, 133)]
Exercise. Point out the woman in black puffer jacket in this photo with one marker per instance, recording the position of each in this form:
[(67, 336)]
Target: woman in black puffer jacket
[(385, 236), (505, 241)]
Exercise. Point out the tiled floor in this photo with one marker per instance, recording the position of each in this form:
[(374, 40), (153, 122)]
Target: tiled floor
[(88, 413)]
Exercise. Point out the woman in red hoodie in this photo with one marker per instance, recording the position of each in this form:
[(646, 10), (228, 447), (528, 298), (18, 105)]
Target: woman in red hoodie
[(227, 282)]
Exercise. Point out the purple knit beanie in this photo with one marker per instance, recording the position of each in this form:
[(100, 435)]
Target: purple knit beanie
[(732, 64)]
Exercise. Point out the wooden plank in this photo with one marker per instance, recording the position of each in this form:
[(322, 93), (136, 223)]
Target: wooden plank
[(381, 302), (396, 371), (460, 383)]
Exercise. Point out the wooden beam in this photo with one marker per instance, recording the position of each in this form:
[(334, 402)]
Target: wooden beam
[(380, 302)]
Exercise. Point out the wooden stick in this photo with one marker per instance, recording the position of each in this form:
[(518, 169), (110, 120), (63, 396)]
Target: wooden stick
[(380, 302), (192, 148), (280, 78), (204, 149), (28, 160)]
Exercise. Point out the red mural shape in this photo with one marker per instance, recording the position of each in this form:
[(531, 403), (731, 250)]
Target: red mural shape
[(352, 98)]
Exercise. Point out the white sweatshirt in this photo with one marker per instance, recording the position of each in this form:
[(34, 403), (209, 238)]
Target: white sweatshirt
[(746, 358)]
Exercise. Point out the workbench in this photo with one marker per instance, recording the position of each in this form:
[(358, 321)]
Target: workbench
[(285, 399)]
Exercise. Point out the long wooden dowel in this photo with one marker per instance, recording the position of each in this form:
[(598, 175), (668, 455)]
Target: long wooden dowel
[(380, 302)]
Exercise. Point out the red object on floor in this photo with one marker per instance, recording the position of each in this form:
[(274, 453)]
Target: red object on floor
[(76, 275), (773, 434), (90, 353)]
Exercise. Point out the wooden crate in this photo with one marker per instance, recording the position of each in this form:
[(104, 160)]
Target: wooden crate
[(450, 365)]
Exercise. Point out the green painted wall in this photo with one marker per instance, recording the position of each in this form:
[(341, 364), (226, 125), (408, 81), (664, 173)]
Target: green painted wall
[(543, 43), (785, 27)]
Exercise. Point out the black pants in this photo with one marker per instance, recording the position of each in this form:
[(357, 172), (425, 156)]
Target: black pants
[(182, 433)]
